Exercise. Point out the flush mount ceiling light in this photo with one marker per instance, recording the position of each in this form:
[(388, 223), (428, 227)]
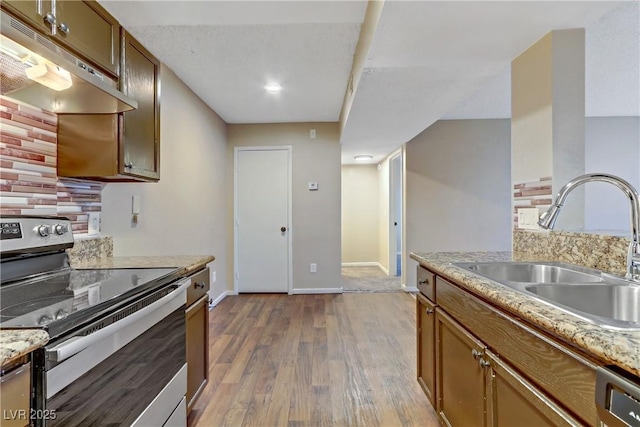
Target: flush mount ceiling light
[(273, 88), (363, 158)]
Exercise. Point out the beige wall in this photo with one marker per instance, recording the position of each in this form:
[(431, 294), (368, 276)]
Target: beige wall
[(548, 115), (184, 213), (458, 189), (360, 213), (315, 224), (531, 112)]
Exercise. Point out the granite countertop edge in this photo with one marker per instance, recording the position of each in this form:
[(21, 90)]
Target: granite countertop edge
[(15, 343), (613, 346), (189, 263)]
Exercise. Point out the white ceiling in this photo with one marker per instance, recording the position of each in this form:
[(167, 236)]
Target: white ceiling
[(428, 60)]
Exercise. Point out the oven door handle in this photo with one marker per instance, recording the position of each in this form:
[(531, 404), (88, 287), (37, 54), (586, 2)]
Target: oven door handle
[(75, 345)]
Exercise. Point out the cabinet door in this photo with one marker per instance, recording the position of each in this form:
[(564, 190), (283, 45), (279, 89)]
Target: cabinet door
[(197, 319), (426, 327), (516, 402), (15, 391), (91, 31), (140, 153), (461, 379), (31, 11)]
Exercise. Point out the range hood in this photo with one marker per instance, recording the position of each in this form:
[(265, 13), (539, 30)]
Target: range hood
[(80, 89)]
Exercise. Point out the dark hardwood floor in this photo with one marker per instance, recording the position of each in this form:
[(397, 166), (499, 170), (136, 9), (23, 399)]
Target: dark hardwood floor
[(313, 360)]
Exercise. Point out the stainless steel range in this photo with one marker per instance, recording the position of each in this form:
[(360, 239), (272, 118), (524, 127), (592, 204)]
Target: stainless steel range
[(117, 350)]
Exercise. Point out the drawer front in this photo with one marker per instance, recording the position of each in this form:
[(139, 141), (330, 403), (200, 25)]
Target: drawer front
[(566, 376), (426, 283), (199, 286)]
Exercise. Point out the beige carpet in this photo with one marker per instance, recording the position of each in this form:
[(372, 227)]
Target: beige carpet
[(369, 279)]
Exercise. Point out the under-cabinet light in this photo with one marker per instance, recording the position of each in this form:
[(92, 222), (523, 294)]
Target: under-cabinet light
[(50, 75)]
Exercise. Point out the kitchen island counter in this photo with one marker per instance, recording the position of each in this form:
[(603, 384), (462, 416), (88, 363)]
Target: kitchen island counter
[(189, 263), (618, 347), (15, 343)]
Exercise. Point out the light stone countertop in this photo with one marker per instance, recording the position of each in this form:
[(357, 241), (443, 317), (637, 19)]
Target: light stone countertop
[(617, 347), (15, 343), (189, 263)]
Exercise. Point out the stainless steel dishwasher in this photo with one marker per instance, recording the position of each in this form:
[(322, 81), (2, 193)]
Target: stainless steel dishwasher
[(617, 397)]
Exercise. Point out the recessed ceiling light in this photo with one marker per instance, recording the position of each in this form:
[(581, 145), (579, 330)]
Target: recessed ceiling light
[(363, 158), (273, 88)]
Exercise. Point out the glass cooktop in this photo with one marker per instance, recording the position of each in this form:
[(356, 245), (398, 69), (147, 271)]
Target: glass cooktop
[(43, 301)]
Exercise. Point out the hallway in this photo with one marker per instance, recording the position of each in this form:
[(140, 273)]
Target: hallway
[(369, 279)]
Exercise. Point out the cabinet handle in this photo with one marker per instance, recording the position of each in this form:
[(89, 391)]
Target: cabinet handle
[(50, 18), (64, 28), (484, 363), (476, 354), (198, 285), (429, 310), (128, 165), (423, 282)]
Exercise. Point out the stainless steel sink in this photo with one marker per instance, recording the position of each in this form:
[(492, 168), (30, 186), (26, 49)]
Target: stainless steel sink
[(603, 299), (620, 303), (526, 272)]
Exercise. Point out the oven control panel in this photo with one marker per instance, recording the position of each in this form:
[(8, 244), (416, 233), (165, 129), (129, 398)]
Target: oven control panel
[(22, 233)]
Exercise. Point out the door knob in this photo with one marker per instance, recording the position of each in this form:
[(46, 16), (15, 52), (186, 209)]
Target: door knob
[(283, 229)]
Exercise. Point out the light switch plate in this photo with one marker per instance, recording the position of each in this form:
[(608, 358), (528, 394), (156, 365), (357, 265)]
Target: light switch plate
[(94, 223), (135, 204), (528, 218)]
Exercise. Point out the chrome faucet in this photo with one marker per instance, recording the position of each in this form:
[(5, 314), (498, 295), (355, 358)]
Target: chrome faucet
[(548, 219)]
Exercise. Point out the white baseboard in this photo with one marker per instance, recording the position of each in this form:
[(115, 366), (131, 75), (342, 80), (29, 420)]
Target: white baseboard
[(219, 299), (361, 264), (366, 264), (302, 291), (409, 288)]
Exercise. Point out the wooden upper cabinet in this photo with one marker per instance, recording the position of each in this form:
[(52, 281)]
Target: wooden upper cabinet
[(82, 26), (32, 12), (91, 31), (117, 147), (141, 127)]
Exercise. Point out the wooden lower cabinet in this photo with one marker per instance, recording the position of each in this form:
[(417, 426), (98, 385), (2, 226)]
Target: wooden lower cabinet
[(426, 326), (477, 388), (461, 379), (516, 402), (197, 318), (15, 394)]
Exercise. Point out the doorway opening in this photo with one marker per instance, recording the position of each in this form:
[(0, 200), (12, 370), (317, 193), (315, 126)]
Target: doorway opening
[(395, 217)]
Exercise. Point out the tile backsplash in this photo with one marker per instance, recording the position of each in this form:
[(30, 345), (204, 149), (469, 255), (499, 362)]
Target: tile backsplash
[(531, 194), (29, 184)]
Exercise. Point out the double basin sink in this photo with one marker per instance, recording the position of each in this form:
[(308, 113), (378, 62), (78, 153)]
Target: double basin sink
[(603, 299)]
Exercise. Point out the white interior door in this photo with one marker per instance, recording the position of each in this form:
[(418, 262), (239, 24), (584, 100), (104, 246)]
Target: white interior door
[(262, 219)]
